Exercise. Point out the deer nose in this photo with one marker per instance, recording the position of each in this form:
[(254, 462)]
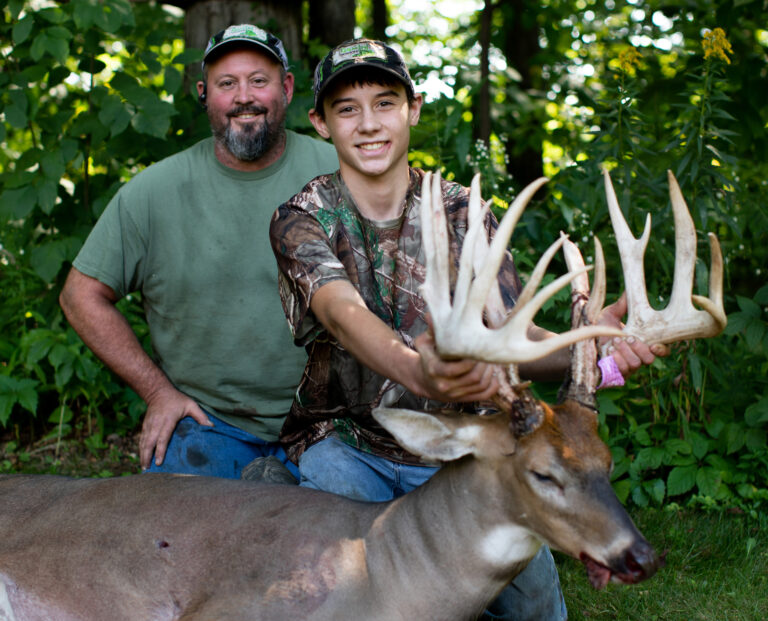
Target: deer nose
[(640, 562)]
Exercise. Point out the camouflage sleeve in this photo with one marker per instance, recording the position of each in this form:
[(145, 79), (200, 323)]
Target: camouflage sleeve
[(306, 261)]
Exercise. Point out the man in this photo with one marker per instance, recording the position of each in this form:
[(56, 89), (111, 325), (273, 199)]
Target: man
[(190, 233), (349, 251)]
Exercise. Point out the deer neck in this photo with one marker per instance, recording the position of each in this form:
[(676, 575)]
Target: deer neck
[(449, 532)]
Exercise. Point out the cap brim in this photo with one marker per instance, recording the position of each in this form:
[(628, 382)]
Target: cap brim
[(216, 49), (408, 86)]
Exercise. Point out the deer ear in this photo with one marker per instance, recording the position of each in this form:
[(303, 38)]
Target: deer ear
[(441, 437)]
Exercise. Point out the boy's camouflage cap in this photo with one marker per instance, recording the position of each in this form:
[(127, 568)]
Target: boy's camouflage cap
[(360, 53), (246, 33)]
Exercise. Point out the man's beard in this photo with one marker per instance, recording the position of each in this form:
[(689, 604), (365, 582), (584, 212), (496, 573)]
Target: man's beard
[(251, 142)]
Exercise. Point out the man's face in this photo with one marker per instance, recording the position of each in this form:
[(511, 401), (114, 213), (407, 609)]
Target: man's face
[(247, 97), (369, 125)]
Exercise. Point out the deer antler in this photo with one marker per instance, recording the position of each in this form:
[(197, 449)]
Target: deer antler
[(459, 327), (679, 320)]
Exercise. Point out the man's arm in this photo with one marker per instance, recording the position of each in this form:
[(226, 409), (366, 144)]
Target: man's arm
[(89, 305), (341, 309)]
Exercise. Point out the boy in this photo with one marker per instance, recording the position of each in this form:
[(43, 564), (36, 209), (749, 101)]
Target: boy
[(349, 251)]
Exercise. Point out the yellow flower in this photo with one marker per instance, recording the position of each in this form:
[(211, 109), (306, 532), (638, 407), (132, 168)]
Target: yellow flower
[(629, 59), (716, 45)]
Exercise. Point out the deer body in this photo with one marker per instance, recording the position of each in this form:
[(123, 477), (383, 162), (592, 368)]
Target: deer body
[(163, 547)]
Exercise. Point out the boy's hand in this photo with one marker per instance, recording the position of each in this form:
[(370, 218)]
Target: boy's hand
[(454, 380), (629, 352)]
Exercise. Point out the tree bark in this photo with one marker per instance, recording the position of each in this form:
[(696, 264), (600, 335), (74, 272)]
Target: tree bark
[(205, 18), (380, 20), (521, 47), (331, 21), (484, 96)]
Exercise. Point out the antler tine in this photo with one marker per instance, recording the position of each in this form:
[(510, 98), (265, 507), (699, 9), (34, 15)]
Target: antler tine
[(685, 252), (436, 287), (460, 330), (679, 320)]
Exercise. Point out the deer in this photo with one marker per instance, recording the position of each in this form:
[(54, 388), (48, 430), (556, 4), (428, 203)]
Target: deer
[(186, 548)]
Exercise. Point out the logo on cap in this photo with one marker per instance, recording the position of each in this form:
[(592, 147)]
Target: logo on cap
[(364, 49)]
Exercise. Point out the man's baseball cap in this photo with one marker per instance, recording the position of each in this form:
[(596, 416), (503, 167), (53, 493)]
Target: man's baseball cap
[(246, 33), (360, 53)]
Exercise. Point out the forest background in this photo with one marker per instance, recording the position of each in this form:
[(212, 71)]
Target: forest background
[(91, 92)]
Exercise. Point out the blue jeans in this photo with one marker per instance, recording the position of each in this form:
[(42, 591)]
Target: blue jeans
[(218, 451), (333, 466)]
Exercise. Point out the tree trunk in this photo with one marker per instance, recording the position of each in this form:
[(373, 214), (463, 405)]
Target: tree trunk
[(331, 21), (484, 97), (521, 46), (379, 20), (205, 18)]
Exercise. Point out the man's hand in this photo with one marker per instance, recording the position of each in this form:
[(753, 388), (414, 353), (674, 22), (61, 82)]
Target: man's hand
[(628, 352), (164, 410), (454, 380)]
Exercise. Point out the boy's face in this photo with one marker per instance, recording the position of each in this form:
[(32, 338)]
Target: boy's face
[(370, 127)]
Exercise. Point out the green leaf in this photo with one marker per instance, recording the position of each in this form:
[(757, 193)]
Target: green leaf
[(656, 489), (189, 55), (37, 344), (754, 333), (15, 7), (734, 437), (27, 395), (677, 446), (17, 204), (607, 405), (53, 166), (748, 306), (154, 119), (173, 79), (16, 110), (39, 45), (622, 489), (642, 437), (681, 480), (60, 354), (639, 497), (48, 258), (22, 29), (63, 374), (696, 375), (700, 445), (47, 191), (114, 114), (708, 481), (756, 440), (649, 458), (757, 413)]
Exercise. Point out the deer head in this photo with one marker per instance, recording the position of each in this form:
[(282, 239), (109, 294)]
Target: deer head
[(554, 452)]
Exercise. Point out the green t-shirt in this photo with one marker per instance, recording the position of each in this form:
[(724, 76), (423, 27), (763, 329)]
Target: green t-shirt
[(193, 236)]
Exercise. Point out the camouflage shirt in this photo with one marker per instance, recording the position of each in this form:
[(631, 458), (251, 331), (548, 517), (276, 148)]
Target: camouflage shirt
[(319, 236)]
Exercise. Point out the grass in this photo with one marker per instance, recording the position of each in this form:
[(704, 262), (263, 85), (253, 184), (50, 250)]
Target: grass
[(716, 563), (716, 569)]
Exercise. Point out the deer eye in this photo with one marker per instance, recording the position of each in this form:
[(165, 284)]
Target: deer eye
[(547, 479)]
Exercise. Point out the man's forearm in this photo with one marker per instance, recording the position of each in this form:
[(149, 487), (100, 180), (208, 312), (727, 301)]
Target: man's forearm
[(90, 309)]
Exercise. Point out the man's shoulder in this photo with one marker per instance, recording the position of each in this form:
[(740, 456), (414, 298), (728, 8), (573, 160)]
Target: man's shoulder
[(186, 161), (302, 143)]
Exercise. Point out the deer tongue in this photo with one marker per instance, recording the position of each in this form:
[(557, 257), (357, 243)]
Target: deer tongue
[(599, 575)]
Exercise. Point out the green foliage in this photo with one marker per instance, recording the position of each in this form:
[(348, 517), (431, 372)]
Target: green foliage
[(692, 428), (716, 568)]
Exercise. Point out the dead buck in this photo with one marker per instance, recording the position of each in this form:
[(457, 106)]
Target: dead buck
[(162, 547)]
